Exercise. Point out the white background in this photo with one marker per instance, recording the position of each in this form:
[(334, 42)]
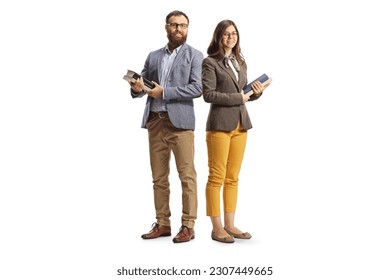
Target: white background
[(76, 189)]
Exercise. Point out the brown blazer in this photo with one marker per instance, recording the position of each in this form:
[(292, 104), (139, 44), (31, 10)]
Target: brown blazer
[(222, 90)]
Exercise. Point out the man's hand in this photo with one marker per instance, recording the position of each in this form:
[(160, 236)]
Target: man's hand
[(138, 85), (155, 92)]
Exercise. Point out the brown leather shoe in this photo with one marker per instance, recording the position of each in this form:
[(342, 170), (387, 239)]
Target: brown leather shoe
[(157, 231), (185, 234)]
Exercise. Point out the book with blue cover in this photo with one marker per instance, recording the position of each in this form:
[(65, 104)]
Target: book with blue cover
[(248, 88)]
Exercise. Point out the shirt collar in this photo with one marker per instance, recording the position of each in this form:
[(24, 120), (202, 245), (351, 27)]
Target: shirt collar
[(176, 51)]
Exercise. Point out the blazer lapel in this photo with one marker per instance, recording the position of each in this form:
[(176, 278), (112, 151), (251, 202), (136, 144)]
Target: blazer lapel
[(230, 72), (241, 78), (159, 63), (178, 58)]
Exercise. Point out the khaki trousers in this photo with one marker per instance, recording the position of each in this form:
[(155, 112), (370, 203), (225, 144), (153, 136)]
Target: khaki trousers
[(164, 138), (225, 155)]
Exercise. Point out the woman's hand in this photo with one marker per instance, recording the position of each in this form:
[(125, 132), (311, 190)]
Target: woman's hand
[(258, 87), (245, 97)]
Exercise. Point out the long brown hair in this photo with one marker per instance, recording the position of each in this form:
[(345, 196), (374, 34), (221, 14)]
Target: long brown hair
[(216, 50)]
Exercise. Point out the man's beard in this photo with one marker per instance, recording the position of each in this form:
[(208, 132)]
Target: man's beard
[(176, 41)]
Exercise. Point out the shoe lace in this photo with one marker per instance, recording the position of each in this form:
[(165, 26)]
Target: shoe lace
[(182, 228), (155, 226)]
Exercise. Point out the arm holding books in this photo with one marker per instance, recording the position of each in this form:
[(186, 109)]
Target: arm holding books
[(138, 89), (141, 86), (258, 85), (255, 89)]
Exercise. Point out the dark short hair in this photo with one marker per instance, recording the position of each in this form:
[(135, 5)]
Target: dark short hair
[(176, 13)]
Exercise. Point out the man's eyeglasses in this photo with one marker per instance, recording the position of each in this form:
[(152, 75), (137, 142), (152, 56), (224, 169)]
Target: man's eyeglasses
[(227, 34), (176, 25)]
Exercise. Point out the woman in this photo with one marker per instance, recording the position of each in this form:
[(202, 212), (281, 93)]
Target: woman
[(224, 74)]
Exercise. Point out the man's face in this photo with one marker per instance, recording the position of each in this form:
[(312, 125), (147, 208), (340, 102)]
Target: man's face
[(177, 28)]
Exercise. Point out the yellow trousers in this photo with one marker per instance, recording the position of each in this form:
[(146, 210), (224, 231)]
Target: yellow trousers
[(225, 154)]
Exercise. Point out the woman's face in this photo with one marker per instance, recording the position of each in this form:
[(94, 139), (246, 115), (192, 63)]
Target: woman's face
[(229, 38)]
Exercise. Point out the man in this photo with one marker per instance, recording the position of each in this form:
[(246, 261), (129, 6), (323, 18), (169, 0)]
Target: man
[(170, 119)]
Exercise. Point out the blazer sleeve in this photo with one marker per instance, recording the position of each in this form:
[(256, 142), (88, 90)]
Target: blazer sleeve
[(255, 97), (211, 79), (136, 95), (144, 73)]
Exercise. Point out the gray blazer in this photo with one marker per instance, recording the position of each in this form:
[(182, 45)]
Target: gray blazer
[(184, 84), (222, 90)]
